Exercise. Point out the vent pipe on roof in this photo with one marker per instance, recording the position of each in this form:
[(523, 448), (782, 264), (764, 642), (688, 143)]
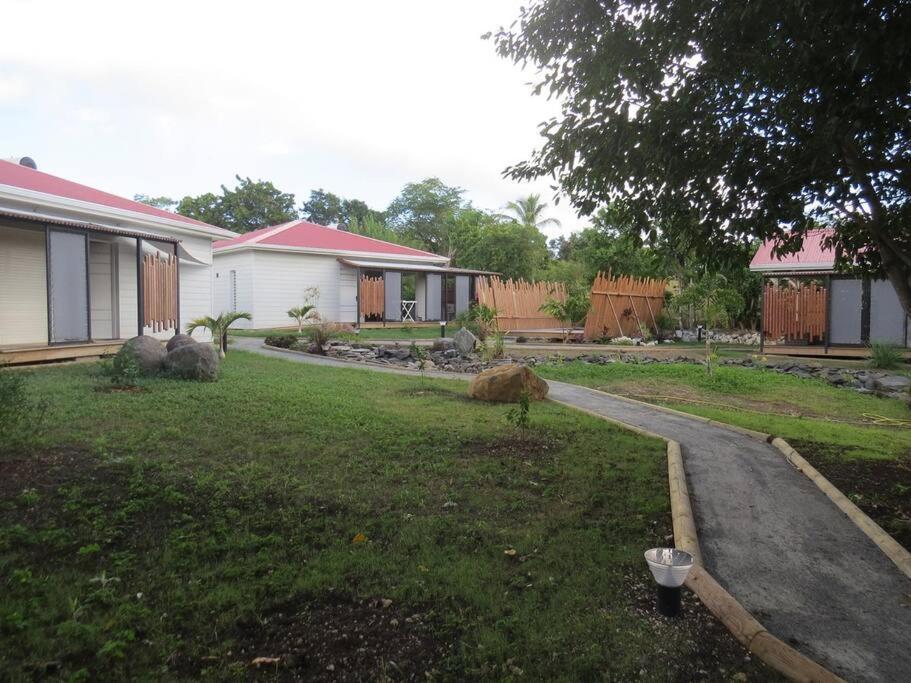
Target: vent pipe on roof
[(25, 161)]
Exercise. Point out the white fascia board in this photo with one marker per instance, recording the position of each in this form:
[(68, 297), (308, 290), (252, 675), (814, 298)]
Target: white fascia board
[(330, 252), (795, 267), (90, 211)]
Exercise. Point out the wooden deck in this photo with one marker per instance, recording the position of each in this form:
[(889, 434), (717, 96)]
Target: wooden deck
[(820, 351), (24, 354)]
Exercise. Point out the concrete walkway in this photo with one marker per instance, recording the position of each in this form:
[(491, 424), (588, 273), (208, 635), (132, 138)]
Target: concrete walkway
[(770, 537)]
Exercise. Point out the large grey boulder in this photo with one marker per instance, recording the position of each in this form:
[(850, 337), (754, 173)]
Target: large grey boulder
[(194, 361), (179, 340), (464, 341), (892, 384), (149, 353)]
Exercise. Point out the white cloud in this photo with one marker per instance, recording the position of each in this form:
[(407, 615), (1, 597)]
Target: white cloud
[(357, 97)]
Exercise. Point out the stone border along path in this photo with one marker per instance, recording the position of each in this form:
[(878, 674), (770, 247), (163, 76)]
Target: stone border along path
[(768, 535)]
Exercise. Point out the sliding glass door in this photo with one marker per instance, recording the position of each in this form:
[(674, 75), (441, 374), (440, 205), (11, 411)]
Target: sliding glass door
[(68, 286)]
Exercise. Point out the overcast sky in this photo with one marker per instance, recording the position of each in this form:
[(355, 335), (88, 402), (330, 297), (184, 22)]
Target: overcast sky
[(174, 98)]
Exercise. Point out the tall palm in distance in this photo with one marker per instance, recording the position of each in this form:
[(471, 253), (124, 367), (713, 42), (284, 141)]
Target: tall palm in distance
[(530, 211)]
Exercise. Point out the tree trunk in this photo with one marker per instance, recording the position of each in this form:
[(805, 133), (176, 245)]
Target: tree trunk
[(898, 272)]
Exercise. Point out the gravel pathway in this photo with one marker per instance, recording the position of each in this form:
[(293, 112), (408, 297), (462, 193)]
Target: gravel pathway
[(769, 536)]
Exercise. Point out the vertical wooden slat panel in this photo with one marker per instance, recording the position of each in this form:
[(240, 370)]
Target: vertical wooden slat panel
[(795, 314), (622, 305)]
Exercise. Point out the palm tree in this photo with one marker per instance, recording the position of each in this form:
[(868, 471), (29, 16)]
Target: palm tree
[(528, 211), (218, 327), (301, 313)]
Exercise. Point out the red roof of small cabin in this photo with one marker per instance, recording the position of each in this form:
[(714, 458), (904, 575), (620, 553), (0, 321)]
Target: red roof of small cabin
[(305, 235), (26, 178), (812, 255)]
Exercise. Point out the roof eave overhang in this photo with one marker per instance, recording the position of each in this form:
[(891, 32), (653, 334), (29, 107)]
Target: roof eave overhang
[(796, 268), (87, 226), (391, 264), (329, 252), (48, 201)]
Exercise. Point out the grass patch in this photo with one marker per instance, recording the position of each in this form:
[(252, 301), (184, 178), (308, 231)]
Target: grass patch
[(795, 408), (189, 529)]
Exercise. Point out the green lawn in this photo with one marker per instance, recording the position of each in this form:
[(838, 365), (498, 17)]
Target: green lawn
[(779, 404), (366, 333), (184, 530)]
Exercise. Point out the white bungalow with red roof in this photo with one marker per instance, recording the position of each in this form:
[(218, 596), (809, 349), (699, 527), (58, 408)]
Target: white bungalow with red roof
[(359, 279), (81, 270), (806, 301)]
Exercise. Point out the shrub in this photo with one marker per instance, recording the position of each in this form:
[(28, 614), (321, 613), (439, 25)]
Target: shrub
[(884, 356), (282, 341), (321, 334), (123, 370), (480, 320), (20, 415)]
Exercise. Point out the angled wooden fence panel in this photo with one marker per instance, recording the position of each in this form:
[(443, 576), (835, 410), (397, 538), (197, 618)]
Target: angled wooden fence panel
[(372, 296), (159, 291), (517, 303), (794, 314), (623, 306)]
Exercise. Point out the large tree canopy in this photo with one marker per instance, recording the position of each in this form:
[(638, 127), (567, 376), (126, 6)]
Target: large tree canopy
[(249, 206), (722, 120), (424, 212)]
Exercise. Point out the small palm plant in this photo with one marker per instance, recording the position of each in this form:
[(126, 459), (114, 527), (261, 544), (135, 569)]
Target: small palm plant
[(300, 314), (570, 311), (218, 327)]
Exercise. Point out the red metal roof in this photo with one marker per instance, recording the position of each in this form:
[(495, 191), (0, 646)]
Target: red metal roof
[(25, 178), (305, 235), (812, 256)]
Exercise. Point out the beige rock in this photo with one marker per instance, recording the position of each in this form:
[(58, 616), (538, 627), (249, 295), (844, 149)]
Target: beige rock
[(505, 383)]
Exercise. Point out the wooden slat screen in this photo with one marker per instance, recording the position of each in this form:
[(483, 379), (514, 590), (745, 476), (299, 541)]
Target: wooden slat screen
[(517, 303), (159, 291), (372, 296), (622, 305), (794, 314)]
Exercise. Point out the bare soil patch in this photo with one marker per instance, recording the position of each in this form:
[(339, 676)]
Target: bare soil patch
[(881, 488), (520, 446), (334, 639)]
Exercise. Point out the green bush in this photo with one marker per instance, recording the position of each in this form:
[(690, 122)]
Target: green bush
[(20, 415), (282, 341), (884, 356), (480, 320), (123, 370)]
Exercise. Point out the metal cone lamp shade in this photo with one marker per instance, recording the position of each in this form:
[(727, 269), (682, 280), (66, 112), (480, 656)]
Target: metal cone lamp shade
[(670, 567)]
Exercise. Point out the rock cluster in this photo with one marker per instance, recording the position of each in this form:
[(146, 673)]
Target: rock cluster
[(181, 357), (746, 337)]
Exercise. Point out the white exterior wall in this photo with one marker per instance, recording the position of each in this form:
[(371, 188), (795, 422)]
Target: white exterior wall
[(242, 265), (196, 285), (281, 281), (127, 289), (23, 286), (420, 297)]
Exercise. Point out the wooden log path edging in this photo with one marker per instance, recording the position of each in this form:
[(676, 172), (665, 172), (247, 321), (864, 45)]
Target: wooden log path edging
[(774, 652), (890, 547)]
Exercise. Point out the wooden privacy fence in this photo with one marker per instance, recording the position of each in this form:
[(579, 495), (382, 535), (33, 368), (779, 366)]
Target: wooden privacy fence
[(794, 313), (517, 303), (623, 305), (372, 296), (159, 291)]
